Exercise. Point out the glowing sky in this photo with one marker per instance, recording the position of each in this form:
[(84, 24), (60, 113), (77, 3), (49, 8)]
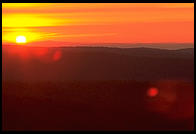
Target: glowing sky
[(99, 23)]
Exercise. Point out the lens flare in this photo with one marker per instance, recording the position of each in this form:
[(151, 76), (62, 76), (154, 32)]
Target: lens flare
[(152, 92)]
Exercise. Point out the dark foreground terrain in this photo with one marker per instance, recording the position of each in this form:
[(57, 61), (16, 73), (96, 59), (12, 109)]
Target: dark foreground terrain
[(97, 89), (107, 105)]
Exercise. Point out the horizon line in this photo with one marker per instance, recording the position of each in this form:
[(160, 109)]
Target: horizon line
[(88, 46)]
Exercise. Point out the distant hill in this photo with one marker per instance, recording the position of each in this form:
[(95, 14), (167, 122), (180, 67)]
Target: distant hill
[(96, 63)]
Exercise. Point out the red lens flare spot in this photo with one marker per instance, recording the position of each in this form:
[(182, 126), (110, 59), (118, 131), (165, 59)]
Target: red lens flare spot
[(152, 92), (41, 52), (57, 55)]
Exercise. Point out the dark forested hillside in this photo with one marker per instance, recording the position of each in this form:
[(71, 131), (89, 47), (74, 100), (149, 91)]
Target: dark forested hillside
[(86, 63)]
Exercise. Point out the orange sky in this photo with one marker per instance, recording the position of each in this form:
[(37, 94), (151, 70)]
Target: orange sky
[(99, 23)]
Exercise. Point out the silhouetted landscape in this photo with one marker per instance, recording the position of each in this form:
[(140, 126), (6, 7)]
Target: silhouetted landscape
[(97, 88), (94, 63)]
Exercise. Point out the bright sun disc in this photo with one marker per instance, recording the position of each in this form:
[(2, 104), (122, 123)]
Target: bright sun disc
[(20, 39)]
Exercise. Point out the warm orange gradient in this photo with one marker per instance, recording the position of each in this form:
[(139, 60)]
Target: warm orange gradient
[(99, 23)]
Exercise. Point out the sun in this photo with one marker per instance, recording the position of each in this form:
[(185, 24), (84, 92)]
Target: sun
[(21, 39)]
